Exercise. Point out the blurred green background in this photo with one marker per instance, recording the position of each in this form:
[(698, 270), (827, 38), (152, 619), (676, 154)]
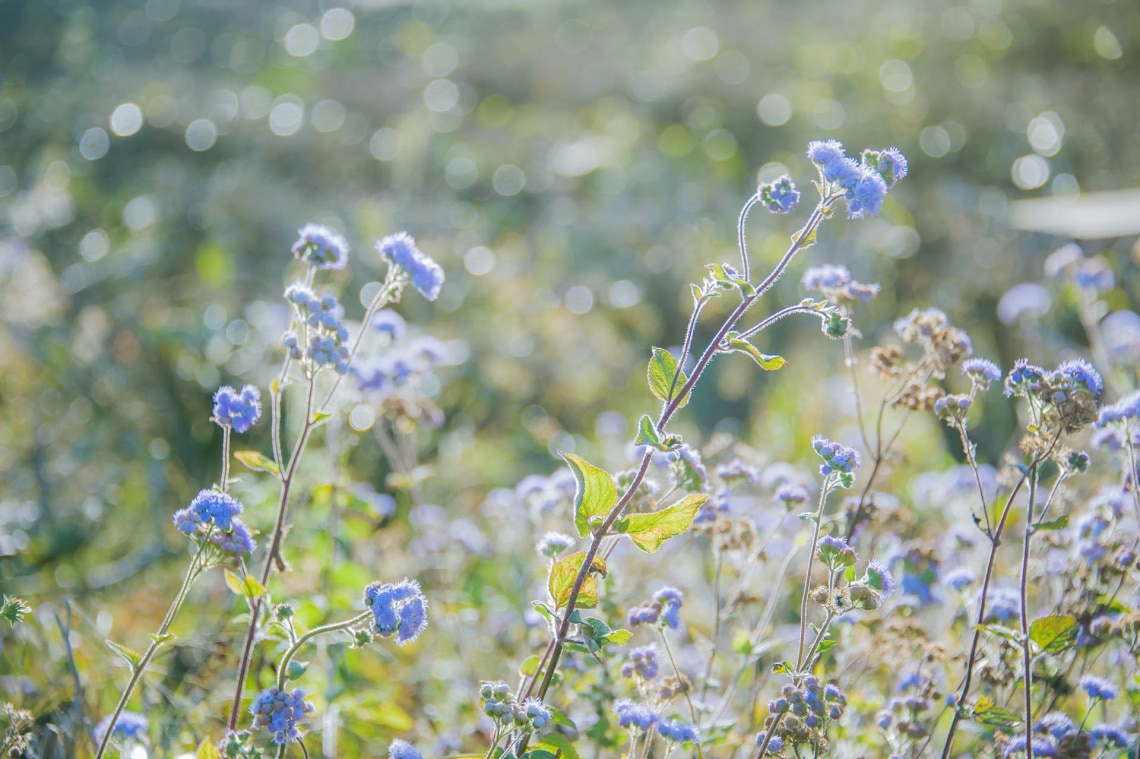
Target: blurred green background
[(572, 165)]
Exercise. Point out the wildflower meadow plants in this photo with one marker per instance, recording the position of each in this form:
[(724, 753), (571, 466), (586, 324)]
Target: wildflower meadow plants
[(840, 604)]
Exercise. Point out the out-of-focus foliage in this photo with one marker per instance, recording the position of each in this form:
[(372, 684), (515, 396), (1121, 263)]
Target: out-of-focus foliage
[(572, 165)]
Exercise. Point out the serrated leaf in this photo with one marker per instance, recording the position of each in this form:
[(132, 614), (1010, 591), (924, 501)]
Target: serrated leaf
[(989, 713), (806, 241), (257, 461), (763, 360), (131, 657), (563, 574), (529, 667), (595, 494), (649, 531), (1059, 523), (662, 369), (1055, 633), (207, 750), (618, 637), (647, 434)]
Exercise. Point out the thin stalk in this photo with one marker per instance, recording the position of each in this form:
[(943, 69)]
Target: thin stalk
[(283, 668), (768, 322), (740, 236), (1027, 658), (156, 642), (823, 491)]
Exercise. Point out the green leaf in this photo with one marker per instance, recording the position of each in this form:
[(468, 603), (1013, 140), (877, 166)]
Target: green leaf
[(618, 637), (132, 658), (541, 753), (247, 586), (207, 750), (766, 362), (529, 667), (989, 713), (563, 574), (257, 461), (320, 417), (662, 369), (649, 531), (698, 296), (783, 668), (1059, 523), (296, 669), (160, 639), (647, 434), (1055, 633), (805, 242), (557, 742), (595, 494)]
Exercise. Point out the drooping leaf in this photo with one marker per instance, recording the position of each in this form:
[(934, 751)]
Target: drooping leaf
[(649, 531), (1059, 523), (662, 369), (989, 713), (257, 461), (131, 656), (763, 360), (595, 494), (563, 574), (1055, 633)]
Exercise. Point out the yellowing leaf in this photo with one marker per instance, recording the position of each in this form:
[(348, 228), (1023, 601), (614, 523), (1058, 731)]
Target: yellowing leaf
[(989, 713), (207, 750), (563, 574), (595, 494), (649, 531), (1055, 633), (766, 362), (257, 461)]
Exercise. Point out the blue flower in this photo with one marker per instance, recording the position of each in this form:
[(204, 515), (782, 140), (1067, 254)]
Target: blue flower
[(397, 608), (670, 600), (389, 322), (779, 196), (1098, 687), (208, 507), (837, 458), (1057, 724), (237, 542), (890, 164), (642, 663), (554, 543), (865, 195), (1002, 604), (981, 371), (826, 277), (279, 712), (130, 726), (879, 578), (537, 712), (832, 161), (1082, 373), (401, 749), (321, 247), (790, 494), (1041, 746), (1023, 377), (400, 250), (958, 578), (237, 410), (1124, 410), (1110, 733), (678, 730), (632, 714)]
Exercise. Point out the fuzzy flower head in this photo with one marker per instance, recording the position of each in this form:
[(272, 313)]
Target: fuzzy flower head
[(537, 713), (401, 749), (130, 726), (237, 410), (838, 459), (863, 185), (642, 663), (981, 372), (320, 247), (1067, 396), (890, 164), (209, 507), (635, 716), (780, 196), (670, 600), (400, 250), (1124, 412), (398, 609), (1098, 687), (280, 712), (837, 286), (678, 731), (554, 543)]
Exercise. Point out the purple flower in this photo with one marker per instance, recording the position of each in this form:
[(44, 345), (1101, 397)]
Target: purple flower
[(865, 196), (321, 247), (400, 250), (633, 714), (832, 161), (1082, 373), (389, 322), (237, 542), (678, 731), (1098, 687), (670, 600), (879, 578), (780, 196), (1124, 410), (208, 507), (981, 371), (397, 608), (279, 712), (130, 726), (826, 277), (642, 663), (237, 410), (837, 458), (401, 749)]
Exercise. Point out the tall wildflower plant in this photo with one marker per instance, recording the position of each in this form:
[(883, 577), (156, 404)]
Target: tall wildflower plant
[(320, 353), (602, 504)]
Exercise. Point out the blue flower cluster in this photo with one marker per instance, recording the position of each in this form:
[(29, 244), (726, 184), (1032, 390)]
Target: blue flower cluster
[(780, 196), (635, 715), (863, 185), (1098, 687), (216, 514), (837, 458), (239, 410), (678, 731), (981, 372), (400, 250), (323, 318), (836, 284), (398, 608), (401, 365), (642, 663), (812, 702), (129, 726), (537, 713), (1125, 411), (665, 607), (321, 247), (401, 749), (280, 712)]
